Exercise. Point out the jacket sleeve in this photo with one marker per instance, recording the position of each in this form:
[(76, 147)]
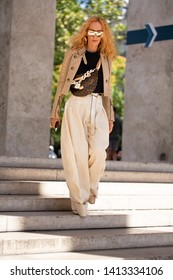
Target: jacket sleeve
[(108, 106), (107, 100), (58, 96)]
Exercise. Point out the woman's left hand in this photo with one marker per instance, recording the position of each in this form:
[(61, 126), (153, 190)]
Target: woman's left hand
[(111, 124)]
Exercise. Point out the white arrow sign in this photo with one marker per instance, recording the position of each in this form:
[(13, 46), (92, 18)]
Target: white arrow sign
[(152, 33)]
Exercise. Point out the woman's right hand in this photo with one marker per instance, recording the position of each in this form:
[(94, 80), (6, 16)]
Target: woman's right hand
[(54, 123)]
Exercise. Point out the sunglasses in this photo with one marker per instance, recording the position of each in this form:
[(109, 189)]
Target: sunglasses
[(95, 33)]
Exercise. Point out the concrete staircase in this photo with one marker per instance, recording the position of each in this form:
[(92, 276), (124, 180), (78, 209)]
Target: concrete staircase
[(132, 218)]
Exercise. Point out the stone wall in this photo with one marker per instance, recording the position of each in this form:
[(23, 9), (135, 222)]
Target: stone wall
[(148, 119), (5, 29), (27, 30)]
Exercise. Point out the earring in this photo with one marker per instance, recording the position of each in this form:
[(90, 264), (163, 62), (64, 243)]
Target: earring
[(85, 40)]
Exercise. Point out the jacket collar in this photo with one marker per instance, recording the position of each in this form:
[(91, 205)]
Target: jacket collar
[(81, 51)]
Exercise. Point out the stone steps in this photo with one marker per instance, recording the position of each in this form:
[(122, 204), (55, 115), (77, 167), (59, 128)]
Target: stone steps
[(53, 196), (23, 203), (44, 163), (16, 187), (134, 211), (65, 220), (147, 253), (107, 202), (14, 243), (30, 174), (113, 173)]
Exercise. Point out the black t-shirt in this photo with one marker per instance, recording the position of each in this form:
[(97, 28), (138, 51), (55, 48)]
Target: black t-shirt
[(92, 59)]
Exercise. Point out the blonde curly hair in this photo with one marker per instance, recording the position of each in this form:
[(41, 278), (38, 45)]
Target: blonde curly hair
[(107, 45)]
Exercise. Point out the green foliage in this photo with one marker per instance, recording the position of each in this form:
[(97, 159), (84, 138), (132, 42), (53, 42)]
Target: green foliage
[(69, 17), (113, 11)]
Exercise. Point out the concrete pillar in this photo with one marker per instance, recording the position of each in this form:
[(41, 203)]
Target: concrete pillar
[(27, 30), (148, 119)]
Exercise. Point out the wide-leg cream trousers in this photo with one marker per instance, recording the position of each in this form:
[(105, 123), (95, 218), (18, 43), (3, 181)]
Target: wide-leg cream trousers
[(84, 139)]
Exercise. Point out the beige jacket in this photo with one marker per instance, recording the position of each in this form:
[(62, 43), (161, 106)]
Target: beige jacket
[(70, 66)]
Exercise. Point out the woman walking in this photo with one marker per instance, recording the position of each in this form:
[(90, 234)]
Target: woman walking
[(88, 115)]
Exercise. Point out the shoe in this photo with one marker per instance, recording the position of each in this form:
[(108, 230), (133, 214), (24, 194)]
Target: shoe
[(92, 199), (79, 209), (73, 208)]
